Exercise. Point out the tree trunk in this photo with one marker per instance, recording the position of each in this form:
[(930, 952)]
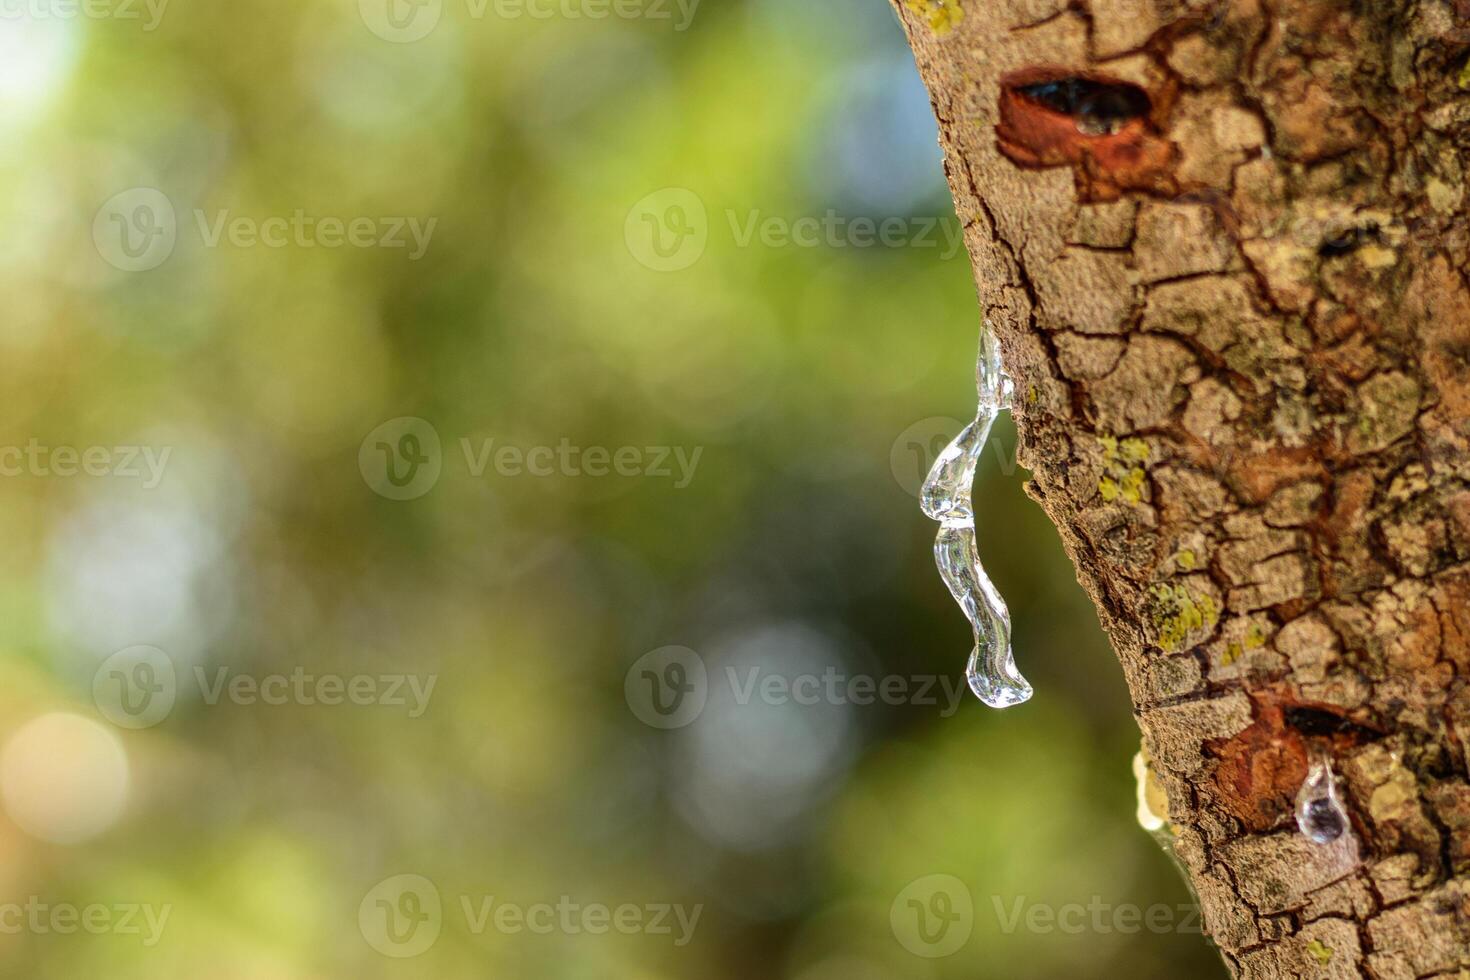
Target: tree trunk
[(1223, 245)]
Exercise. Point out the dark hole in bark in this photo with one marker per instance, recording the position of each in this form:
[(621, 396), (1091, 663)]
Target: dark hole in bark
[(1098, 107), (1323, 724), (1349, 241)]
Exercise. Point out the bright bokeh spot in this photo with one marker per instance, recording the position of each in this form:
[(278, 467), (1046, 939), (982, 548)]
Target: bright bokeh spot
[(36, 59), (64, 778)]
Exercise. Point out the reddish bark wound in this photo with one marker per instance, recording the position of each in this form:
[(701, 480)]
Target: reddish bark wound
[(1035, 135), (1261, 768)]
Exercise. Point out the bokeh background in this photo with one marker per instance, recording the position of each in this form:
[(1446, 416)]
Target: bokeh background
[(590, 281)]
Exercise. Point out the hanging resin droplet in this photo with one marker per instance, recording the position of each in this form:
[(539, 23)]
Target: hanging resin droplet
[(946, 498), (1319, 810)]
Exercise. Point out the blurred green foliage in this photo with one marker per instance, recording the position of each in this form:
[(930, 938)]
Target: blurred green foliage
[(815, 379)]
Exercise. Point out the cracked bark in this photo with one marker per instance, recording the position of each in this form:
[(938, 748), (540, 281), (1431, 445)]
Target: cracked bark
[(1224, 246)]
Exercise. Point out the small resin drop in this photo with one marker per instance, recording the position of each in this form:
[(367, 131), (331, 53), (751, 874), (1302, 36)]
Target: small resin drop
[(946, 498), (1319, 811)]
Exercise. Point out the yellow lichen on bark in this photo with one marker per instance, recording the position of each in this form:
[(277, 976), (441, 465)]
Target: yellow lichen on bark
[(941, 15)]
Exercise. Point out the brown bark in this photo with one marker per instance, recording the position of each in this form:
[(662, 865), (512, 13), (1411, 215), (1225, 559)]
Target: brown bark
[(1224, 246)]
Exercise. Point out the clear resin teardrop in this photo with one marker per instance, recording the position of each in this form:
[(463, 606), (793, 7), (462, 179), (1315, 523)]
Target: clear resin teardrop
[(947, 498), (1319, 811)]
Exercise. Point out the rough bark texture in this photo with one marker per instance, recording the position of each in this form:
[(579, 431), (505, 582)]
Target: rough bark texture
[(1224, 246)]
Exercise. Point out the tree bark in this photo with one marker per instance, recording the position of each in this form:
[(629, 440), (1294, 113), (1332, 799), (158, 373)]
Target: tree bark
[(1223, 245)]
